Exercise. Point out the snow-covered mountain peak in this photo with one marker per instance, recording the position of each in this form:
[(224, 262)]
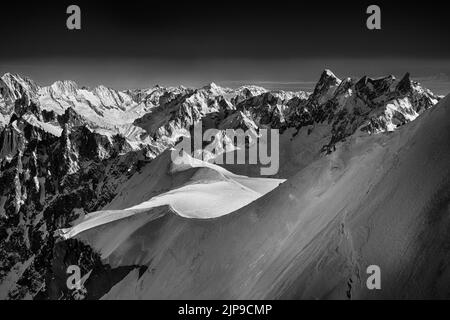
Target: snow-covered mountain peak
[(215, 90), (9, 77), (326, 86), (14, 78), (62, 88), (212, 86), (251, 90), (248, 91), (14, 86), (327, 73)]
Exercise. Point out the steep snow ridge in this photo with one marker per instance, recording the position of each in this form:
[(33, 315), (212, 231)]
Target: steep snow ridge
[(211, 192)]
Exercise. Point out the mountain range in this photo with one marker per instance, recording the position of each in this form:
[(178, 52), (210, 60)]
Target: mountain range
[(86, 179)]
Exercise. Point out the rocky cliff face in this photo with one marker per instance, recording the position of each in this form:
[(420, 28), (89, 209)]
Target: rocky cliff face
[(65, 151)]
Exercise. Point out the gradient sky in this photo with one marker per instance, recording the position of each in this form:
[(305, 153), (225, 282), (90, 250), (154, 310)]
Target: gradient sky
[(279, 44)]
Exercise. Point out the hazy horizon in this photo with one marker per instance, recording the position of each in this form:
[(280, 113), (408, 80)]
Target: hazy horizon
[(285, 74)]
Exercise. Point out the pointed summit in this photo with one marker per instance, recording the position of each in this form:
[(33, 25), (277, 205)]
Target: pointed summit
[(212, 86), (329, 73), (405, 85), (214, 89), (326, 86), (328, 78)]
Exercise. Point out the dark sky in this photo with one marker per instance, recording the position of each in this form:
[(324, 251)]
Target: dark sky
[(137, 43)]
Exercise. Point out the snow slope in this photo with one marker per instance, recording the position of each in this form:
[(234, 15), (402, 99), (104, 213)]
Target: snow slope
[(380, 199), (209, 191)]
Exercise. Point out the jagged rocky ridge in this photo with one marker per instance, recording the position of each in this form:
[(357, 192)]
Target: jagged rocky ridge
[(66, 150)]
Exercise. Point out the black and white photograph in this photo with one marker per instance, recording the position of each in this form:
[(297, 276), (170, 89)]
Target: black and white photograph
[(224, 150)]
